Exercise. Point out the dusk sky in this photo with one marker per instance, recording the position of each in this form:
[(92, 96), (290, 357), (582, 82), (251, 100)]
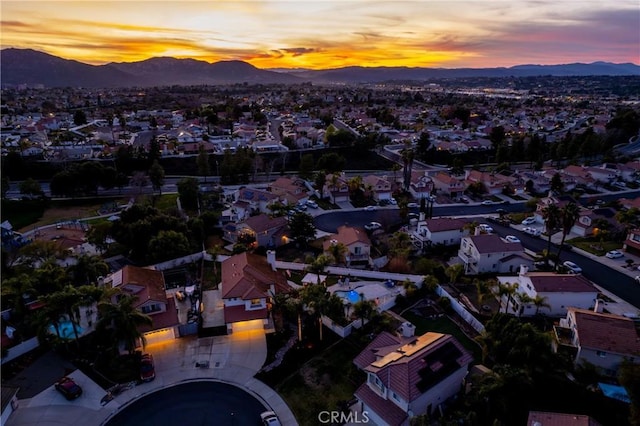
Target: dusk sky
[(329, 34)]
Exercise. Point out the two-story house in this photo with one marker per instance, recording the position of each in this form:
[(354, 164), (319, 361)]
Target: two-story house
[(409, 376), (336, 188), (248, 285), (448, 185), (486, 253), (632, 243), (555, 293), (257, 199), (421, 185), (378, 186), (494, 183), (290, 191), (444, 230), (266, 230), (148, 288), (603, 340), (355, 240)]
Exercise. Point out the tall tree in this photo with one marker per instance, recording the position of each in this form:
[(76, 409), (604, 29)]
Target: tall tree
[(302, 228), (551, 216), (569, 213), (156, 176), (189, 191), (123, 319), (204, 167), (407, 155)]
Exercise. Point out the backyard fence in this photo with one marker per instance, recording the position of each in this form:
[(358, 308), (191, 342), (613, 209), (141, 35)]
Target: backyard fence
[(461, 310)]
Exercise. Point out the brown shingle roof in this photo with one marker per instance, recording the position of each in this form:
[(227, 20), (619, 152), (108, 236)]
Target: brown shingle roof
[(492, 243), (165, 319), (249, 276), (264, 223), (607, 332), (542, 418), (546, 282)]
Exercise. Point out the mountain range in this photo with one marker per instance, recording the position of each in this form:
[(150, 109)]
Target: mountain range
[(31, 67)]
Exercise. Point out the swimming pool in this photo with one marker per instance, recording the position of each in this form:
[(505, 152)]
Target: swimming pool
[(65, 328), (351, 296)]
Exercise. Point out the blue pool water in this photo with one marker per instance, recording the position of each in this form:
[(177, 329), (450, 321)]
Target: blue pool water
[(66, 330), (352, 296)]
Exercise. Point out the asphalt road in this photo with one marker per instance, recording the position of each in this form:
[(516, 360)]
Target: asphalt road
[(608, 278), (193, 404)]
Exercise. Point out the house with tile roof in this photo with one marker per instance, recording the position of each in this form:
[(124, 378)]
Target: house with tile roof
[(487, 253), (632, 243), (409, 376), (559, 291), (378, 186), (494, 183), (257, 199), (545, 418), (291, 191), (443, 230), (266, 230), (421, 184), (247, 287), (355, 240), (448, 185), (597, 338), (148, 288), (336, 188)]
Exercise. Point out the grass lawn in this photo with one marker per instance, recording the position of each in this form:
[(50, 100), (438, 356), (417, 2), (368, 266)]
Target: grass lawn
[(323, 383), (167, 202), (595, 246), (446, 326)]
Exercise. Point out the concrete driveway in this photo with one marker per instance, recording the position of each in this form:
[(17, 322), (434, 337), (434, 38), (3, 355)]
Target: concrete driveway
[(233, 359)]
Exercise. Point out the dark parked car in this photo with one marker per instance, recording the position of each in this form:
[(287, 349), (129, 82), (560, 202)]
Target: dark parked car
[(69, 388), (147, 369)]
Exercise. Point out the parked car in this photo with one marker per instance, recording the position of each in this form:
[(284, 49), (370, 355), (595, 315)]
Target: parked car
[(532, 231), (614, 254), (69, 388), (312, 204), (413, 205), (486, 228), (529, 221), (572, 267), (269, 418), (372, 226), (512, 239), (371, 208), (147, 369), (487, 203), (393, 201)]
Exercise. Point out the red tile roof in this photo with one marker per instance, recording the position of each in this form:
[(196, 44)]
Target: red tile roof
[(347, 235), (238, 313), (546, 282), (541, 418), (368, 354), (606, 332), (169, 318), (249, 276), (492, 243), (445, 224), (411, 369), (387, 410), (152, 282), (265, 223)]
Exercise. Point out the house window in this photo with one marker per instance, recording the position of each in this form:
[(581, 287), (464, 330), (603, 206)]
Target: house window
[(147, 309), (601, 354), (395, 397), (357, 250), (256, 303)]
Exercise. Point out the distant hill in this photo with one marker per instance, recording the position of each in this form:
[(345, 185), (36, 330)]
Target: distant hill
[(26, 66)]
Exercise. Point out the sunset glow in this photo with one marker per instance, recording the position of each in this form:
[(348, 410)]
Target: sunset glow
[(330, 34)]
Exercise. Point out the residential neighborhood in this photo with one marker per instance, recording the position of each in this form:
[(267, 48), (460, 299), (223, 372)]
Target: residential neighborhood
[(397, 254)]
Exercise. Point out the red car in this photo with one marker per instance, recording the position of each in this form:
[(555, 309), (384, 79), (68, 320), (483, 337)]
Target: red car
[(69, 388), (147, 370)]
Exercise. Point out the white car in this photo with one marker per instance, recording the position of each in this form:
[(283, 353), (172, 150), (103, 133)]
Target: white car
[(512, 239), (486, 228), (532, 231), (269, 418), (529, 221), (393, 201), (572, 267), (614, 254), (371, 208), (372, 226), (312, 204)]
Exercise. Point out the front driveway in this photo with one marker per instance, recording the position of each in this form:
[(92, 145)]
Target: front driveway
[(233, 359)]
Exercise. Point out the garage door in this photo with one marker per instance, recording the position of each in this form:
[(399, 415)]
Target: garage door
[(248, 325), (159, 336)]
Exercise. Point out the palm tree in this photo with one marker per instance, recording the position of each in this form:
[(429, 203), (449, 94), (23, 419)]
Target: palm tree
[(453, 272), (88, 268), (123, 318), (407, 162), (540, 302), (568, 216), (363, 309), (67, 301), (316, 299), (508, 290), (318, 265), (338, 251), (395, 168), (483, 289), (551, 216)]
